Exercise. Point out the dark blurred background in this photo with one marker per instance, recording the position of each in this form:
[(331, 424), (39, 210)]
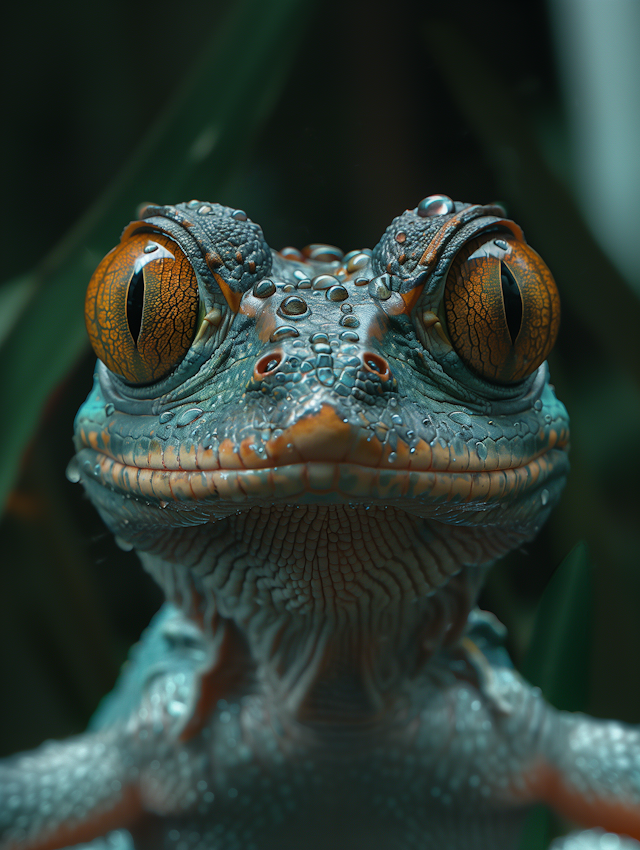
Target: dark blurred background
[(323, 122)]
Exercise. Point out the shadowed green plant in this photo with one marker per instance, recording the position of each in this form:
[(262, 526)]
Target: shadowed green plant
[(559, 655)]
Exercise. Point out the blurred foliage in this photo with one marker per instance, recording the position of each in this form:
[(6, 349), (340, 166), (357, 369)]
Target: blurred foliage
[(197, 140), (557, 660), (323, 125)]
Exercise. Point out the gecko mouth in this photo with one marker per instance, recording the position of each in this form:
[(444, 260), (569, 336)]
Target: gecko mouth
[(320, 459), (429, 492)]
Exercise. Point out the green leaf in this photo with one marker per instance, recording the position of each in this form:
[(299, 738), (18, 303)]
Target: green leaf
[(537, 831), (558, 658), (192, 150)]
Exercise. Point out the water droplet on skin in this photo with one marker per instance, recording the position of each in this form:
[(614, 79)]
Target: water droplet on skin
[(337, 293), (435, 205), (323, 281), (378, 288), (544, 497), (109, 409), (264, 288), (349, 321), (357, 261), (73, 471), (189, 416)]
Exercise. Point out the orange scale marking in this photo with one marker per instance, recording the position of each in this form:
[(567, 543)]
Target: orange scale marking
[(492, 460), (479, 486), (258, 483), (354, 480), (498, 484), (463, 458), (458, 487), (401, 459), (160, 483), (203, 485), (366, 449), (423, 483), (228, 455), (170, 458), (228, 486), (322, 477), (180, 486), (392, 483), (155, 455), (290, 482), (440, 457), (187, 456), (141, 459), (207, 459), (144, 482), (421, 457), (249, 457)]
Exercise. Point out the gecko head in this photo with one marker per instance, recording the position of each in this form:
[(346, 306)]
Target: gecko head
[(397, 396)]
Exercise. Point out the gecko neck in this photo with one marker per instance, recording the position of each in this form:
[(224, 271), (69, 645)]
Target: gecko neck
[(335, 608)]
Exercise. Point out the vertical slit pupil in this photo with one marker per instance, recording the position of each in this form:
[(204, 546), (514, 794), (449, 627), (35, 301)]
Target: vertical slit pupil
[(512, 302), (135, 303)]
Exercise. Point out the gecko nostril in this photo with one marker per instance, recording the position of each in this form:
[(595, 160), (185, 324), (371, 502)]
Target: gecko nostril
[(267, 364), (376, 364)]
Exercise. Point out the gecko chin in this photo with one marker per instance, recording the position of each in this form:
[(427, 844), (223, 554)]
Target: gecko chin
[(310, 536)]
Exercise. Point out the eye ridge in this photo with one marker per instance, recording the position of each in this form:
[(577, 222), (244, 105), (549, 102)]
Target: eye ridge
[(135, 303), (512, 300)]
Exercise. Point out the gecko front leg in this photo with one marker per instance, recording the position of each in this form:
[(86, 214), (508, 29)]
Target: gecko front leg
[(67, 792), (589, 772), (80, 789)]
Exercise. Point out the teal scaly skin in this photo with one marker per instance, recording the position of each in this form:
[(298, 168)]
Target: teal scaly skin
[(318, 456)]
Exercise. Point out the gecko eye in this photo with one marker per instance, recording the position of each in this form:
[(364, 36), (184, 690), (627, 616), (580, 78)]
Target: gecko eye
[(141, 308), (502, 308)]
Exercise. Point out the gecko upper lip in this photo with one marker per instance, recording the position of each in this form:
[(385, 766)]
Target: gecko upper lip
[(320, 438)]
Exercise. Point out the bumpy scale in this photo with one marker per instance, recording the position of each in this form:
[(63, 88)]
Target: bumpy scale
[(317, 456)]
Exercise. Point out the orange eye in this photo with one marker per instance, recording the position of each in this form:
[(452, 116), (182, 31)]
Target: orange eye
[(502, 308), (141, 308)]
